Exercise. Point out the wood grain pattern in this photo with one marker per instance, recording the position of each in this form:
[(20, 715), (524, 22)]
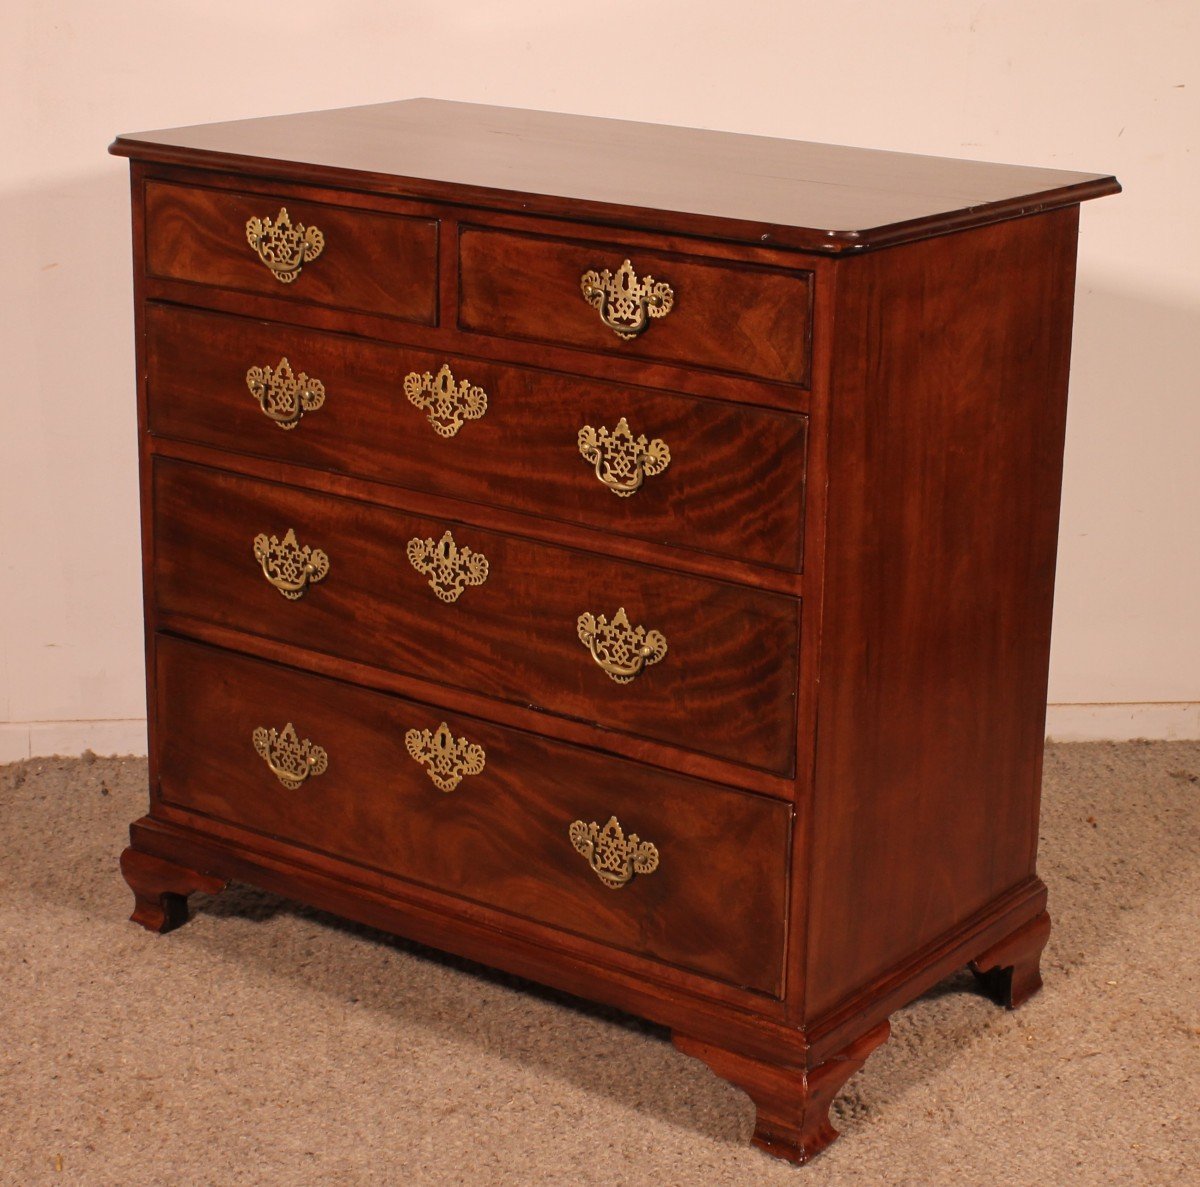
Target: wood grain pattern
[(553, 531), (922, 969), (740, 319), (817, 197), (726, 687), (501, 837), (874, 346), (733, 486), (666, 994), (634, 371), (373, 262), (665, 754), (948, 412)]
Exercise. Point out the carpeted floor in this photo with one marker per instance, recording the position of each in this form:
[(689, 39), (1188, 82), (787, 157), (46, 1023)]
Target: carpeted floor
[(268, 1044)]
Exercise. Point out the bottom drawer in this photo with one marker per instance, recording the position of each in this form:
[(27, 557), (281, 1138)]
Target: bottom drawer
[(502, 819)]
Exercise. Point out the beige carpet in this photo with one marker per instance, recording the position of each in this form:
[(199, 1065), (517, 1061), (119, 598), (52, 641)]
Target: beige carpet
[(267, 1044)]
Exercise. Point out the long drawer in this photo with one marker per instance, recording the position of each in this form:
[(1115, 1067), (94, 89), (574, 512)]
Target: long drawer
[(688, 872), (702, 664), (349, 258), (700, 474)]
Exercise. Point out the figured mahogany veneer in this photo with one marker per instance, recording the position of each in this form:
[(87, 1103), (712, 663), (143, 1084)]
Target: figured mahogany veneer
[(832, 772), (732, 487), (375, 262), (742, 319), (730, 668), (500, 837)]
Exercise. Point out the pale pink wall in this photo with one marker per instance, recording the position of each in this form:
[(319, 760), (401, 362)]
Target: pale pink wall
[(1098, 86)]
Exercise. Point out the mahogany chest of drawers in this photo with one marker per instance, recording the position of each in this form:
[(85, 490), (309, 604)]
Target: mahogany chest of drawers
[(622, 555)]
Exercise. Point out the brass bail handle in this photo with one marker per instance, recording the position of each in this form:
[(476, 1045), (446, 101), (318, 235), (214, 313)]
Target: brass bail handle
[(283, 395), (625, 303), (284, 248), (622, 650), (621, 461), (290, 568), (289, 758)]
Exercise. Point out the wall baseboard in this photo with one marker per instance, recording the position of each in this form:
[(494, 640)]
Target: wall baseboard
[(41, 739), (1158, 721)]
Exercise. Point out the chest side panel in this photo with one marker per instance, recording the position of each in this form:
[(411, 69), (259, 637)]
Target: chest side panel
[(948, 408)]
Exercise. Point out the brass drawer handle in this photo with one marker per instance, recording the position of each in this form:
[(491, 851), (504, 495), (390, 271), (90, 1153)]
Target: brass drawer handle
[(450, 569), (447, 403), (290, 568), (284, 396), (290, 760), (613, 856), (446, 761), (622, 463), (625, 303), (283, 248), (622, 650)]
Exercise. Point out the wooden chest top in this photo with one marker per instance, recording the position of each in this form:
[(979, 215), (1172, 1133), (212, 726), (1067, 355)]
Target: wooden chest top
[(753, 189)]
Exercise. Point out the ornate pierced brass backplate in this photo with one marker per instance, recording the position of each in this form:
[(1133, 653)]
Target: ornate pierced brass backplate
[(625, 303), (291, 760), (622, 650), (448, 403), (613, 856), (290, 568), (445, 760), (622, 462), (450, 569), (284, 248), (284, 396)]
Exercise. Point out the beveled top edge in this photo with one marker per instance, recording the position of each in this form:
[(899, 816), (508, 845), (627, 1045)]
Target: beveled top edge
[(783, 193)]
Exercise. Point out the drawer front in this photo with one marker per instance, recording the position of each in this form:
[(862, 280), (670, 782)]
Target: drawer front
[(709, 475), (367, 261), (499, 830), (740, 318), (719, 676)]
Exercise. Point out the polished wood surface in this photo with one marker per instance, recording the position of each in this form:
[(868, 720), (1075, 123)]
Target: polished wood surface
[(923, 968), (274, 304), (753, 321), (667, 994), (500, 838), (734, 482), (791, 1101), (726, 686), (374, 262), (818, 197), (944, 472), (851, 556), (671, 754)]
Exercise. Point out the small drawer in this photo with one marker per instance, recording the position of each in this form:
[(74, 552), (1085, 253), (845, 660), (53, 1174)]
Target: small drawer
[(702, 474), (504, 821), (697, 312), (687, 661), (351, 259)]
